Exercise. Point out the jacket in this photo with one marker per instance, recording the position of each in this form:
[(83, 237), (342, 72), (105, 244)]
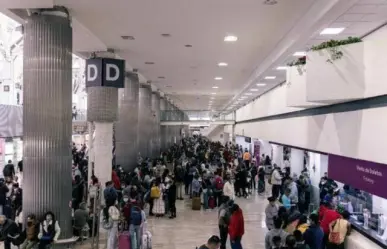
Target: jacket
[(276, 178), (228, 190), (81, 216), (313, 237), (236, 228)]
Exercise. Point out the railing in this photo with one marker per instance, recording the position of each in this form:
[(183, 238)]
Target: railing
[(205, 116)]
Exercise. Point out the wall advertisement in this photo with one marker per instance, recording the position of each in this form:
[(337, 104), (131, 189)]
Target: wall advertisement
[(364, 175)]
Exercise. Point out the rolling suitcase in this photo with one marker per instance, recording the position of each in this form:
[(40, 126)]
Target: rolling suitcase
[(211, 202), (196, 203), (124, 240), (146, 240)]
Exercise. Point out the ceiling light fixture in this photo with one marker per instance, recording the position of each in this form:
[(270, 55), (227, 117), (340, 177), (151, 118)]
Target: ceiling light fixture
[(149, 63), (166, 35), (332, 31), (254, 90), (222, 64), (299, 54), (161, 77), (213, 93), (270, 2), (188, 46), (218, 78), (261, 84), (282, 68), (215, 87), (270, 77), (248, 94), (230, 38)]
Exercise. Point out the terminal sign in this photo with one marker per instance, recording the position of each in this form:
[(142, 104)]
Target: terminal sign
[(105, 72)]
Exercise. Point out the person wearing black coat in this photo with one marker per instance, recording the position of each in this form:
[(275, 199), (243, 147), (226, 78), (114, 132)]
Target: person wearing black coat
[(9, 231), (172, 199)]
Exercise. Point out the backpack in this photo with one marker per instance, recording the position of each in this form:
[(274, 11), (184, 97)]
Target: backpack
[(155, 192), (219, 183), (135, 216)]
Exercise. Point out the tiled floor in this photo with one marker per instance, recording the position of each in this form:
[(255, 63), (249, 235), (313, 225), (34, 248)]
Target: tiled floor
[(193, 228)]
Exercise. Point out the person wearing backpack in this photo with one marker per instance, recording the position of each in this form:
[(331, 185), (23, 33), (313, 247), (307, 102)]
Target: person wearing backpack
[(218, 188), (135, 225)]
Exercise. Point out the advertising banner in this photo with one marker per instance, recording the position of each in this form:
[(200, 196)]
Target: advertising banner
[(364, 175), (257, 151)]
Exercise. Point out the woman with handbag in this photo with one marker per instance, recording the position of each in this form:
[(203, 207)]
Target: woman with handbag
[(338, 231)]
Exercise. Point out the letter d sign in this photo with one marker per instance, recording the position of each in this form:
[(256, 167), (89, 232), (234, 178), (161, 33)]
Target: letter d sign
[(105, 72)]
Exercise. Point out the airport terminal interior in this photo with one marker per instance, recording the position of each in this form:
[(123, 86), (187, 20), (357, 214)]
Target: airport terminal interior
[(140, 124)]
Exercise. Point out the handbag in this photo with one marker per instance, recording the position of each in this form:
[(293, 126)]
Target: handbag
[(334, 236)]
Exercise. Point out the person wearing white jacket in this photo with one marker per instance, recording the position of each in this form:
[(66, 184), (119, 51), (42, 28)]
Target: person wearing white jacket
[(228, 188)]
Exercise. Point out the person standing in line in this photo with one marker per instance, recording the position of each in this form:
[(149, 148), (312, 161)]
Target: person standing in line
[(179, 179), (276, 181), (223, 221), (236, 228), (228, 188), (314, 235), (271, 212), (276, 231)]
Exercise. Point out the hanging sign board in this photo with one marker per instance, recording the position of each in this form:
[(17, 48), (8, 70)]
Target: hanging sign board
[(105, 72)]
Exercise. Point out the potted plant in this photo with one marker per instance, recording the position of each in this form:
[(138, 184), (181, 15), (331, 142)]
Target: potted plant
[(300, 64), (333, 47)]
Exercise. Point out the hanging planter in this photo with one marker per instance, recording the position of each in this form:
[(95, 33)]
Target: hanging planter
[(333, 47)]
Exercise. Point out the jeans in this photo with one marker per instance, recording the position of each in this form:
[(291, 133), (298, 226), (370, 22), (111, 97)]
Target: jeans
[(236, 244), (135, 236), (179, 190), (223, 232), (205, 199), (112, 236)]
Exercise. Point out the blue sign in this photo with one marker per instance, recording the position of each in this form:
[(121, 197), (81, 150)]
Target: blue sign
[(105, 72)]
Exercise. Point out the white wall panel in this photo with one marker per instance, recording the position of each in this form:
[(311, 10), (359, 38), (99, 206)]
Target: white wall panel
[(357, 134), (271, 103)]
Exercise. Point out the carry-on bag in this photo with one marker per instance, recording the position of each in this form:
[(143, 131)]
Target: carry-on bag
[(146, 240), (124, 240), (211, 202), (196, 203)]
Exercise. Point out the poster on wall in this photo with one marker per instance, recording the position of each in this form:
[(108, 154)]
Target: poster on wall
[(2, 154), (364, 175), (257, 151)]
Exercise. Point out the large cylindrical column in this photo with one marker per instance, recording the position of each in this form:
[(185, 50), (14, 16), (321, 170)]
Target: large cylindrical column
[(127, 124), (145, 120), (169, 127), (156, 124), (163, 128), (47, 125)]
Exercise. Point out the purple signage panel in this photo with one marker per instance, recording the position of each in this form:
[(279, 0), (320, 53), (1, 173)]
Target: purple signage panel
[(364, 175)]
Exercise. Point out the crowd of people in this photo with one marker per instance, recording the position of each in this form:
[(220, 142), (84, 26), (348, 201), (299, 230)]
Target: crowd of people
[(211, 175)]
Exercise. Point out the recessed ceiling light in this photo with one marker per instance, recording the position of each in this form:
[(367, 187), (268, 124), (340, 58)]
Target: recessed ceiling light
[(168, 86), (188, 46), (213, 93), (248, 94), (149, 63), (332, 31), (127, 37), (270, 2), (261, 84), (254, 90), (300, 53), (230, 38), (282, 68), (222, 64), (166, 35), (161, 77), (218, 78), (215, 87), (270, 77)]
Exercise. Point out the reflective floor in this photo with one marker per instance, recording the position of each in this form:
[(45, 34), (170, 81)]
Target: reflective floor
[(193, 228)]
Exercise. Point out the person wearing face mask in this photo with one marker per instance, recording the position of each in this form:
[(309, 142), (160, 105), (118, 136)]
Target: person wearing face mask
[(31, 233), (49, 230)]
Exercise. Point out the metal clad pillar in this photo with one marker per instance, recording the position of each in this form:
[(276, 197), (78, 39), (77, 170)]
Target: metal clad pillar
[(156, 124), (127, 124), (164, 128), (144, 120), (169, 127), (47, 121), (104, 75)]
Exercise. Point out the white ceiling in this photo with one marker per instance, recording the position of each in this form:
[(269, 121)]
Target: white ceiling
[(189, 72), (267, 36)]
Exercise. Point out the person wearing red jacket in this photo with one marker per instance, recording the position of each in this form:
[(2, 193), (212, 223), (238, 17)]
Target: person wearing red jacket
[(116, 180), (236, 227)]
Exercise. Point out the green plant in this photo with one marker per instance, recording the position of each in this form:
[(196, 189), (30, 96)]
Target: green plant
[(299, 63), (333, 47)]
